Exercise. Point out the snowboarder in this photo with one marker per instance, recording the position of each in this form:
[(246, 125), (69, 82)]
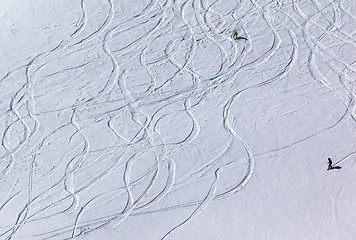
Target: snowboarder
[(234, 35), (330, 164)]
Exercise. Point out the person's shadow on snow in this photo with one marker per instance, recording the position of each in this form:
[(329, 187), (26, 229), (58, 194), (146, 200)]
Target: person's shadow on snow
[(241, 38), (335, 167)]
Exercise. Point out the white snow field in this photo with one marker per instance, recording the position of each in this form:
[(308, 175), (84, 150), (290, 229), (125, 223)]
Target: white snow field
[(146, 119)]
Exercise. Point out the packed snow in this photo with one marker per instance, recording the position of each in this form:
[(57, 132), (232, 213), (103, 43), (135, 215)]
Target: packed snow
[(154, 119)]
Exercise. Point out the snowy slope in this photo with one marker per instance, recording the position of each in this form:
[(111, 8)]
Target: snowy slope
[(146, 120)]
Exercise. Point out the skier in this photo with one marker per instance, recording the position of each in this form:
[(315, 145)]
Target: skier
[(330, 164)]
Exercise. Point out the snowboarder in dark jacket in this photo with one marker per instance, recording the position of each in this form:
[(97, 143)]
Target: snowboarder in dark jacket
[(330, 164)]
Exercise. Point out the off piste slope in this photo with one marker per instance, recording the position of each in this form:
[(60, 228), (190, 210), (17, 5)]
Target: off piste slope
[(147, 120)]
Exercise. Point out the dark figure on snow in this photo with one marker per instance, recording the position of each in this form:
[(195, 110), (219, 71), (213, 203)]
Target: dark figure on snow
[(330, 164)]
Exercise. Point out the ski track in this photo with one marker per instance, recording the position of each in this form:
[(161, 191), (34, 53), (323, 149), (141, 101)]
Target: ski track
[(149, 123)]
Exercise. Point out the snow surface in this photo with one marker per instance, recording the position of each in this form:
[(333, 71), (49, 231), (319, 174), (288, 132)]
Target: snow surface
[(146, 120)]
